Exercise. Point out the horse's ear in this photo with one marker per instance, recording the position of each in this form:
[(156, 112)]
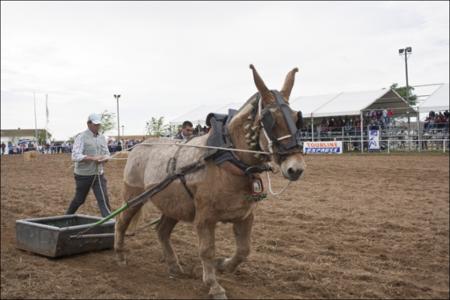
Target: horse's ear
[(288, 84), (266, 95)]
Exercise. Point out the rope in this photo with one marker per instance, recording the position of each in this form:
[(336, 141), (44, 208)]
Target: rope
[(270, 186), (206, 147)]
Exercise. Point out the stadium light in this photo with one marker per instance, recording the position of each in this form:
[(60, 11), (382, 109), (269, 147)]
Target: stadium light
[(405, 51)]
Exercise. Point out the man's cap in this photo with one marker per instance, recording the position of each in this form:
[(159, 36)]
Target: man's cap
[(95, 118)]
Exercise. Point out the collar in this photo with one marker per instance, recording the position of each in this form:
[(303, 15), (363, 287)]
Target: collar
[(92, 134)]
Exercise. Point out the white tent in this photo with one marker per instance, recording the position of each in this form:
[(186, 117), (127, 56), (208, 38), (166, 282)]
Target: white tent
[(308, 104), (339, 104), (350, 103), (198, 114), (438, 100)]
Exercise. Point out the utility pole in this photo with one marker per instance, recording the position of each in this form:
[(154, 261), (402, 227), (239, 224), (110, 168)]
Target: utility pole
[(117, 96), (46, 117), (35, 120)]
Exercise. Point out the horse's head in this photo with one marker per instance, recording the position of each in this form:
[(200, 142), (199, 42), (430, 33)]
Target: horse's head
[(279, 126)]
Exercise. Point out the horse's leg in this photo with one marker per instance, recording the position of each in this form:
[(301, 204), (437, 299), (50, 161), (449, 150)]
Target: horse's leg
[(242, 231), (123, 220), (131, 230), (164, 228), (206, 241)]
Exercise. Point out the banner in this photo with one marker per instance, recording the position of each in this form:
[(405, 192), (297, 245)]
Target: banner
[(374, 139), (323, 147)]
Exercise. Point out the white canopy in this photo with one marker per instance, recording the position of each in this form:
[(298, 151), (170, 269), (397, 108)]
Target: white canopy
[(339, 104), (350, 103), (198, 114), (438, 100)]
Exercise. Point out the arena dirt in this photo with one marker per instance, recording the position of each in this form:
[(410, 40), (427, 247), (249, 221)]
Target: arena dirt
[(356, 226)]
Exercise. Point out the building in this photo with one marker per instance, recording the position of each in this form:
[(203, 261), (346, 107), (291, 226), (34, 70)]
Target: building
[(16, 135)]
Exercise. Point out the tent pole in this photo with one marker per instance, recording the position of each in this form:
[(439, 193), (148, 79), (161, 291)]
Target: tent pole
[(312, 128), (362, 132)]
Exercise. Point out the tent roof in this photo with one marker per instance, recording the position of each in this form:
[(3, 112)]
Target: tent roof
[(438, 100), (338, 104), (351, 103), (308, 104), (198, 114)]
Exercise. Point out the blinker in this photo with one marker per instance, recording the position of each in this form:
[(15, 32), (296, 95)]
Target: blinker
[(268, 121)]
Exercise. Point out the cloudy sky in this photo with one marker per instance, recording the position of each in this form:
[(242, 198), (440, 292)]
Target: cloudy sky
[(167, 58)]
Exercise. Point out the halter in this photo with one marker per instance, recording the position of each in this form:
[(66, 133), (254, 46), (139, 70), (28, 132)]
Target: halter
[(267, 123)]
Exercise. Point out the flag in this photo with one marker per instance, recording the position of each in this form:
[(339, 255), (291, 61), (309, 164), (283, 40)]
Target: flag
[(46, 107)]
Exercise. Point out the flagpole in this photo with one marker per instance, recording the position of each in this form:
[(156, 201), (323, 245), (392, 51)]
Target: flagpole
[(35, 120), (46, 115)]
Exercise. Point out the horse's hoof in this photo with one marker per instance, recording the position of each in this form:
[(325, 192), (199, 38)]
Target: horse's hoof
[(121, 260), (223, 265), (176, 271), (220, 295), (219, 263)]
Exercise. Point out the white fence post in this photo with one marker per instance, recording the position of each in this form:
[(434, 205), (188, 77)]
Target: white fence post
[(389, 149), (443, 145)]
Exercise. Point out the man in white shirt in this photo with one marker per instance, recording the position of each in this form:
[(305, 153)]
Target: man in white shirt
[(90, 151)]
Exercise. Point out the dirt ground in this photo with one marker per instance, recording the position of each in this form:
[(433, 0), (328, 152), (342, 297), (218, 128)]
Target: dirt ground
[(356, 226)]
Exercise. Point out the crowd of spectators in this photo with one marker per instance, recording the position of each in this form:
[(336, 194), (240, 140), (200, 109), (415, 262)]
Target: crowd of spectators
[(61, 147), (19, 148), (436, 120), (115, 146), (348, 124)]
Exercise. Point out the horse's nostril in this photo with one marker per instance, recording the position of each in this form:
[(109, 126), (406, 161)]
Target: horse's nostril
[(294, 173)]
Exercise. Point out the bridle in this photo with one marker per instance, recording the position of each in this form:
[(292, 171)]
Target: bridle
[(294, 144)]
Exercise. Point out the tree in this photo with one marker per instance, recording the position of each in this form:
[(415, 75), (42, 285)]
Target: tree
[(156, 127), (41, 137), (107, 121), (402, 92)]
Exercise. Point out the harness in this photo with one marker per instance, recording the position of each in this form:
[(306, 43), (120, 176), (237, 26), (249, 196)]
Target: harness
[(220, 138)]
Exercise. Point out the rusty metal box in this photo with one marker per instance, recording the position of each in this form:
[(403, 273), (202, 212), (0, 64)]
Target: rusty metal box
[(55, 236)]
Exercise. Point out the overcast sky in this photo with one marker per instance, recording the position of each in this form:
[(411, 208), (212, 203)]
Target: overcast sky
[(166, 58)]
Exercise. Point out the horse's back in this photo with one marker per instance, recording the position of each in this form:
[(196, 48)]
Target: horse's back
[(151, 162)]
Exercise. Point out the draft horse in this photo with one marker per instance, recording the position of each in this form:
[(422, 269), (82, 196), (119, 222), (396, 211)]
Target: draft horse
[(218, 192)]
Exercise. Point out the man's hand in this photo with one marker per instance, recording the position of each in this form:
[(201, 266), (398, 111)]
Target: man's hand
[(95, 158), (103, 159)]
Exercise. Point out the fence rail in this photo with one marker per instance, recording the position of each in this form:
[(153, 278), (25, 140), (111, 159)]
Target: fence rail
[(398, 145)]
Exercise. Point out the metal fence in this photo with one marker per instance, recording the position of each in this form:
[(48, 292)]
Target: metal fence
[(391, 139), (399, 145)]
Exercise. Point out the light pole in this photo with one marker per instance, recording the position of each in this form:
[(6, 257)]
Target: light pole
[(123, 130), (117, 96), (405, 52)]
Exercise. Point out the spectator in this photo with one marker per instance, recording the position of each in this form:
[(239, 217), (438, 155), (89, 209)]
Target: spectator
[(186, 132)]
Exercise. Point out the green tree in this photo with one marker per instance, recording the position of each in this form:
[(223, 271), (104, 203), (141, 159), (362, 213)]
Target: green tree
[(402, 92), (107, 121), (156, 127), (41, 137)]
